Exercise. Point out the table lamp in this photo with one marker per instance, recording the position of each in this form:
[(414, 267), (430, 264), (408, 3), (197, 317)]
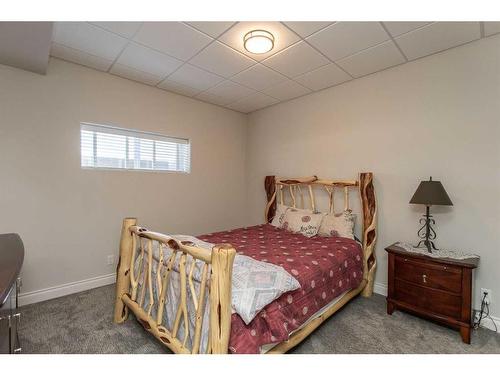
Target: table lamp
[(429, 193)]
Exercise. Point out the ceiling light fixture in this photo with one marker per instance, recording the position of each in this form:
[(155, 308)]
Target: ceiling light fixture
[(258, 41)]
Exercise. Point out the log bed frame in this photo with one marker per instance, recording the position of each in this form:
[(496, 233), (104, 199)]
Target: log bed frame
[(217, 270)]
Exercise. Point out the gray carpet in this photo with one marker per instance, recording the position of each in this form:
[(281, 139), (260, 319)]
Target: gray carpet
[(82, 323)]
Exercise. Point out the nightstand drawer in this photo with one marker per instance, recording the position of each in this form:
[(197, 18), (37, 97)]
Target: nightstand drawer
[(438, 302), (438, 276)]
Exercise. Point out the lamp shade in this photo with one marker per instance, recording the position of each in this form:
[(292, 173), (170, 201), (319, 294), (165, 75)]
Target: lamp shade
[(431, 193)]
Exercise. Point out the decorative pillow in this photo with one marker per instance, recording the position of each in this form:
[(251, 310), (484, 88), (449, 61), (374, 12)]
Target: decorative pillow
[(338, 225), (299, 221), (256, 284), (279, 216)]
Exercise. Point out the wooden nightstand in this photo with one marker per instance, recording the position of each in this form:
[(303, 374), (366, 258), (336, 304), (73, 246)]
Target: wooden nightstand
[(435, 288)]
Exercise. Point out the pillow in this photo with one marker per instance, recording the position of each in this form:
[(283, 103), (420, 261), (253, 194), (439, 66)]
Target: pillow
[(281, 209), (279, 215), (303, 222), (338, 225), (256, 284)]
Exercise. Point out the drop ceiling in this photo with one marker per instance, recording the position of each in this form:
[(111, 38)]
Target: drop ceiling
[(207, 61)]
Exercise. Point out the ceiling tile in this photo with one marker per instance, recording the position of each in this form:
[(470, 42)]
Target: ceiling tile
[(211, 98), (283, 37), (326, 76), (346, 38), (258, 77), (286, 90), (491, 28), (252, 103), (437, 37), (195, 77), (304, 29), (125, 29), (178, 88), (230, 90), (214, 29), (135, 75), (79, 57), (173, 38), (88, 38), (297, 59), (372, 59), (222, 60), (147, 60), (398, 28)]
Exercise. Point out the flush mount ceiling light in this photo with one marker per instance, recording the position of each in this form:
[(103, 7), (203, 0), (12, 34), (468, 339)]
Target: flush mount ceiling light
[(258, 41)]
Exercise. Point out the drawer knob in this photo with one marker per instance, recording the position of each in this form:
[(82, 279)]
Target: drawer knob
[(424, 278)]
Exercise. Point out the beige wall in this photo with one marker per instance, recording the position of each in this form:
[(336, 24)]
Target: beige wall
[(70, 218), (437, 116)]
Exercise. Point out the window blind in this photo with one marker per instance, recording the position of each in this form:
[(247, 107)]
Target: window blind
[(110, 147)]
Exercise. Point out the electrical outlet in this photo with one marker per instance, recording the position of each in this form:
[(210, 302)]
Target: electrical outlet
[(111, 260), (477, 315), (487, 300)]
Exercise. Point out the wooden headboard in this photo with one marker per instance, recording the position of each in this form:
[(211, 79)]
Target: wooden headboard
[(297, 188)]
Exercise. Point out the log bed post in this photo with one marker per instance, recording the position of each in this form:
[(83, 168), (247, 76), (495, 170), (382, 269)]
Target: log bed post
[(369, 207), (220, 297), (270, 186), (123, 270)]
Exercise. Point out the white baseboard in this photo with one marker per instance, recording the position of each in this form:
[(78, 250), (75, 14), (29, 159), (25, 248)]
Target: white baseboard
[(65, 289), (381, 289)]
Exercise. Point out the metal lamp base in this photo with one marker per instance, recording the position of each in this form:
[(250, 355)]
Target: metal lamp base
[(426, 232), (427, 244)]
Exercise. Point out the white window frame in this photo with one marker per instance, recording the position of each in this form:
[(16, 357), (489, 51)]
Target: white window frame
[(137, 134)]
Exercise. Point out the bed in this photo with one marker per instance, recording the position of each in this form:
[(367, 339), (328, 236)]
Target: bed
[(180, 289)]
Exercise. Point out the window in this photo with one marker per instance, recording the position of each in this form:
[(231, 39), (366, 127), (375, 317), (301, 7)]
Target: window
[(109, 147)]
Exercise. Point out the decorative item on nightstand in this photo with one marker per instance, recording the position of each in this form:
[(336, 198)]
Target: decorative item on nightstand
[(429, 193)]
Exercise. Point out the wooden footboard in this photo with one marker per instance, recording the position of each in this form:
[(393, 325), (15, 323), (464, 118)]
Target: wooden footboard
[(214, 279)]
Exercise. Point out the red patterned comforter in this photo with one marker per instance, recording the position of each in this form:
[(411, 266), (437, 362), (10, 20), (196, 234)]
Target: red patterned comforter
[(324, 266)]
